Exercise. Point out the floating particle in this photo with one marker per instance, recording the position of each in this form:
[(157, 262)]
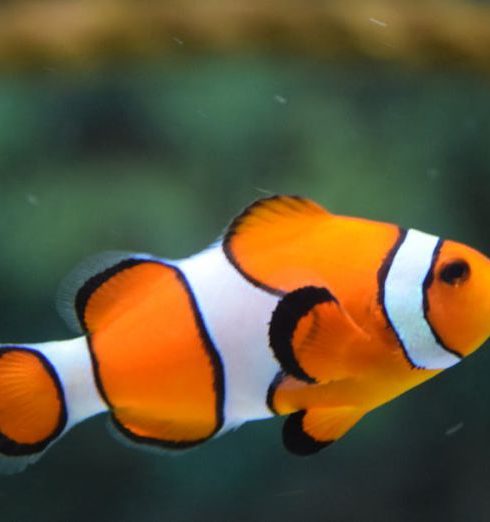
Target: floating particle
[(433, 173), (378, 22), (32, 199), (454, 429)]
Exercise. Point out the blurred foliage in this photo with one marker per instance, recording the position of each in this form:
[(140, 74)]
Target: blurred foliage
[(434, 33), (159, 157)]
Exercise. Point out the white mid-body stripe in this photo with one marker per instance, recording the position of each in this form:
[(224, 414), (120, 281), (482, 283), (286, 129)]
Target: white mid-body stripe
[(404, 302), (237, 316), (72, 363)]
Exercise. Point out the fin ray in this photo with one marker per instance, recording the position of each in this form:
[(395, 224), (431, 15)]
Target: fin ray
[(266, 212)]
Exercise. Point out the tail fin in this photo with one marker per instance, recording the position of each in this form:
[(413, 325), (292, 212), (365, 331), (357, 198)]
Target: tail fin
[(32, 407), (44, 390)]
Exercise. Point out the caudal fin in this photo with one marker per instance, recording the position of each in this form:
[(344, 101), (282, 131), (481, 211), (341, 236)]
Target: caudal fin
[(32, 407), (45, 389)]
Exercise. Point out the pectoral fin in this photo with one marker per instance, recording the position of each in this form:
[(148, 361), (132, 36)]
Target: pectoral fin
[(313, 337), (308, 431)]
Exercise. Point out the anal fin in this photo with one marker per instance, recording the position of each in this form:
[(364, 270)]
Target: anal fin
[(306, 432)]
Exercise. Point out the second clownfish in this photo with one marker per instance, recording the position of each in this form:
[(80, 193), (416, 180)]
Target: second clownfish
[(295, 312)]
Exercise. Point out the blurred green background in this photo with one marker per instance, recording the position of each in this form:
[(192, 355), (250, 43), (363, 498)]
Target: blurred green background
[(159, 156)]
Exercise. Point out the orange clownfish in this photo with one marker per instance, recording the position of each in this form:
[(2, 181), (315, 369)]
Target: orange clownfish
[(295, 311)]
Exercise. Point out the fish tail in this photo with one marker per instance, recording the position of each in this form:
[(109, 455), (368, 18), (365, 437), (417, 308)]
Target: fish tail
[(45, 389)]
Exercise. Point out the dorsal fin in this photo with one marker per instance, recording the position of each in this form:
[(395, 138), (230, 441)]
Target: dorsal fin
[(268, 228), (86, 279), (274, 217)]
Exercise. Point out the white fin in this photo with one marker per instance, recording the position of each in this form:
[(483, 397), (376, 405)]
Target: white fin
[(12, 465)]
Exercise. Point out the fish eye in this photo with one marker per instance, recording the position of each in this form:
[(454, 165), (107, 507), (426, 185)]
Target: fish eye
[(455, 272)]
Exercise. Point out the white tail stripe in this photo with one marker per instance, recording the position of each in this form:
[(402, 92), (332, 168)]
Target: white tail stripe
[(73, 365), (404, 302)]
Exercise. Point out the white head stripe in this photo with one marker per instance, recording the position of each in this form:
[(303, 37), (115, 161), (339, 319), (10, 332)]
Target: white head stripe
[(404, 302)]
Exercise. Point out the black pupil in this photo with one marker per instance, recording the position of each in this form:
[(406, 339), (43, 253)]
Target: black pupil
[(455, 272)]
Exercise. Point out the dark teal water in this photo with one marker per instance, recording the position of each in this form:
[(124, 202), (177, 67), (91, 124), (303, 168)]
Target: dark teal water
[(159, 159)]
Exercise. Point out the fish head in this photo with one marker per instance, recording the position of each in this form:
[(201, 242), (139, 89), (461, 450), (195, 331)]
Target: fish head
[(458, 297)]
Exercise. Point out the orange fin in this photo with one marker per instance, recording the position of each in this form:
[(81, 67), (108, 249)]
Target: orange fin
[(134, 428), (32, 407), (81, 284), (104, 286), (313, 337), (276, 221), (308, 431)]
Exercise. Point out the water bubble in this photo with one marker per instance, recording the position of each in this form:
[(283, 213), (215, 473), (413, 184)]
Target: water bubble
[(433, 173), (280, 99), (32, 199)]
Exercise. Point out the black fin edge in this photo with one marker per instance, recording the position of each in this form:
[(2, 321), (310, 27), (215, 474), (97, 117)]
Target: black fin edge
[(296, 440), (429, 279), (271, 391), (154, 442), (290, 309)]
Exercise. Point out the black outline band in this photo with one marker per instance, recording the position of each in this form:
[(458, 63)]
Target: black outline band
[(382, 275), (288, 312), (271, 391), (429, 279), (296, 440)]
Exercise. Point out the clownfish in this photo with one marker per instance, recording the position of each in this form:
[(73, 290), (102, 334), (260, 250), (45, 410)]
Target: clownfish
[(295, 311)]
